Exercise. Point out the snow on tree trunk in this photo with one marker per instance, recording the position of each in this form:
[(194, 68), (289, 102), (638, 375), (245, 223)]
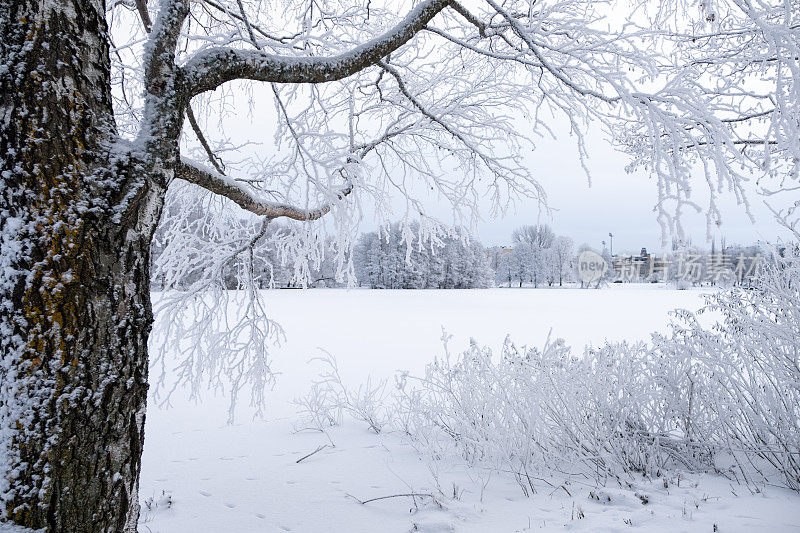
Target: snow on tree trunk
[(75, 312)]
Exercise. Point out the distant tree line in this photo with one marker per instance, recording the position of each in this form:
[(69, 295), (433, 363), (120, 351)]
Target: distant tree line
[(538, 256), (396, 258)]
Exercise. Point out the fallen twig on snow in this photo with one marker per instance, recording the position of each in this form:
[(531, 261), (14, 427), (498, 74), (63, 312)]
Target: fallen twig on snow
[(319, 449)]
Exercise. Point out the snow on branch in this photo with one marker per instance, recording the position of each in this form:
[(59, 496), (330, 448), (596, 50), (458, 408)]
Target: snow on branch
[(207, 70), (248, 199)]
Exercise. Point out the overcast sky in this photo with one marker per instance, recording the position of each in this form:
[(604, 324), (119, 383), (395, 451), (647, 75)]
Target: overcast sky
[(617, 202)]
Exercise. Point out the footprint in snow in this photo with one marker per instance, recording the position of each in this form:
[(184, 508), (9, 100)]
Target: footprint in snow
[(204, 493), (230, 505), (261, 516)]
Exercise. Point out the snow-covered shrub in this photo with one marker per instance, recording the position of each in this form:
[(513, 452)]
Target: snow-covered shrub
[(484, 410), (320, 408), (619, 409), (329, 397), (639, 407), (751, 365)]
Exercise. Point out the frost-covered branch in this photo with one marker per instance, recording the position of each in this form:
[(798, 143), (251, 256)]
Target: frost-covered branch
[(208, 69), (248, 199), (141, 7)]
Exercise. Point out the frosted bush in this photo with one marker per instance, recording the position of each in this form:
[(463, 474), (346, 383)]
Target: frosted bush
[(640, 407), (329, 397), (751, 366), (617, 410)]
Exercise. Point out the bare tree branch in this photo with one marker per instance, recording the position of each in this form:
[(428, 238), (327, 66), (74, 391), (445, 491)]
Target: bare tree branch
[(518, 57), (141, 7), (212, 157), (472, 19), (247, 25)]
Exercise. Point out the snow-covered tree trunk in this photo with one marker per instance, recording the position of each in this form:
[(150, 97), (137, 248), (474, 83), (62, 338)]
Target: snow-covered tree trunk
[(74, 279)]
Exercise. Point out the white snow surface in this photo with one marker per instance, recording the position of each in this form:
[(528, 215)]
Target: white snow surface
[(201, 475)]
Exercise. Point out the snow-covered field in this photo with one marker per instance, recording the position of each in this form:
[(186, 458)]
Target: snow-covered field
[(200, 474)]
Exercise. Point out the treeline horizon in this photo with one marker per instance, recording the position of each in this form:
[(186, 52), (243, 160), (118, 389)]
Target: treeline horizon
[(400, 256)]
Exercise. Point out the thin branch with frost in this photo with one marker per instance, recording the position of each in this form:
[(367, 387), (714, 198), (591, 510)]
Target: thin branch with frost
[(212, 157), (405, 495)]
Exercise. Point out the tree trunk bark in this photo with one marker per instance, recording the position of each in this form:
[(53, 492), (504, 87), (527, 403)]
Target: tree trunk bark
[(75, 308)]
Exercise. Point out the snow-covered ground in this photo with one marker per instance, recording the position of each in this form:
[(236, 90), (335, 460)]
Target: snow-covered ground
[(200, 474)]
